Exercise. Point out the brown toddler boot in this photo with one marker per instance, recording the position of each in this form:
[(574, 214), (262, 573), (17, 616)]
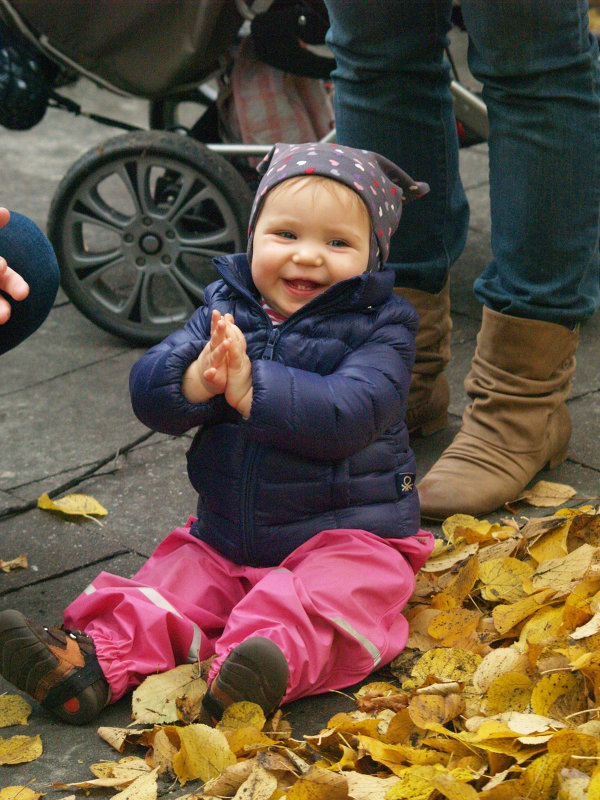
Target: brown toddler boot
[(56, 667), (429, 393), (517, 422), (256, 670)]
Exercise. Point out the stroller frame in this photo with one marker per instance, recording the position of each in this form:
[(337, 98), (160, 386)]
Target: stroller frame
[(136, 221)]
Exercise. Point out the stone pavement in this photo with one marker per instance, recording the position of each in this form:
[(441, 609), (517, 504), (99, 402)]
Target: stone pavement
[(65, 417)]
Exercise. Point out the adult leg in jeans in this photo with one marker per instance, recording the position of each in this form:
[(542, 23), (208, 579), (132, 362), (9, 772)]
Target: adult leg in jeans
[(29, 253), (392, 95), (539, 68)]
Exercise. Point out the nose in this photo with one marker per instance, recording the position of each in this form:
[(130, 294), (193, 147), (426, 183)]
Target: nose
[(309, 254)]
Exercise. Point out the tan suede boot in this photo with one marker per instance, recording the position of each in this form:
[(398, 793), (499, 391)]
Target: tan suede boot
[(429, 393), (517, 422)]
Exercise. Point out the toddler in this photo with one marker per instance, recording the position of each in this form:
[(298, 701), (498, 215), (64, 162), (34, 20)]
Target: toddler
[(303, 553)]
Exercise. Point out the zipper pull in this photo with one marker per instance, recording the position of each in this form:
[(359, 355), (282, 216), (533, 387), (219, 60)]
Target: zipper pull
[(271, 342)]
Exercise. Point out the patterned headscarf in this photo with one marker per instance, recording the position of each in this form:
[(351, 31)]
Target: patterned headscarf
[(382, 185)]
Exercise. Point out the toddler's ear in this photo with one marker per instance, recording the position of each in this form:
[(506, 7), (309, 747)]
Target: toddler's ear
[(411, 190)]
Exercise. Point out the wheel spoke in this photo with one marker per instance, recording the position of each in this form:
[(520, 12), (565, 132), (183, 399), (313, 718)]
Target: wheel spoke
[(186, 196), (188, 285), (135, 177), (146, 305), (90, 266), (90, 208)]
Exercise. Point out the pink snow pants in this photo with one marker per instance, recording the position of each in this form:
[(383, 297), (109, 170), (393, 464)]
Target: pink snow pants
[(333, 607)]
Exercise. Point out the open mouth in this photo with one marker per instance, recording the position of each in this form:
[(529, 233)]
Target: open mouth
[(302, 285)]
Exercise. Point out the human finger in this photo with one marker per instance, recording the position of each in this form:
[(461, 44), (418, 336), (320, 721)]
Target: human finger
[(11, 282)]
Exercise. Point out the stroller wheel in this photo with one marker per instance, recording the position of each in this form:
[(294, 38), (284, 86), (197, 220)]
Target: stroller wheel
[(135, 224)]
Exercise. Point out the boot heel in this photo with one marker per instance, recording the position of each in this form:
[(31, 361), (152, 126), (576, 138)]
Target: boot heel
[(558, 458), (431, 426)]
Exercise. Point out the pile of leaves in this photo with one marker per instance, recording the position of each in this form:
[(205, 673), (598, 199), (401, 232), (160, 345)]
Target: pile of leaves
[(497, 694)]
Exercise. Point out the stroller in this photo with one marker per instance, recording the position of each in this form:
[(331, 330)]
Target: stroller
[(137, 220)]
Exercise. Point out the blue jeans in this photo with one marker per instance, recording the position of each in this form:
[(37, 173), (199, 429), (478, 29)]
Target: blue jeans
[(539, 68), (29, 253)]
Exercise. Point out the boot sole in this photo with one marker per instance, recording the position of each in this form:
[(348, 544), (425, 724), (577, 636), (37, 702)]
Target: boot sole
[(25, 661), (255, 671)]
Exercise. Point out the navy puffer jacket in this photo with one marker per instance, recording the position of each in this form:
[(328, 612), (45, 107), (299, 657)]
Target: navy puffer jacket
[(325, 446)]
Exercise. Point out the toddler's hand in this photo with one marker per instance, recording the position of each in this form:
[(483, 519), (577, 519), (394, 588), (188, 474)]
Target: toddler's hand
[(207, 376), (238, 391)]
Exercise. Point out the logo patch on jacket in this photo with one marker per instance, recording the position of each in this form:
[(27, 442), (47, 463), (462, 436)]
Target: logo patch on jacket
[(405, 482)]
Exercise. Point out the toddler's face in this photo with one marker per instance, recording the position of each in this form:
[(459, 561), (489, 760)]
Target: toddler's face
[(308, 236)]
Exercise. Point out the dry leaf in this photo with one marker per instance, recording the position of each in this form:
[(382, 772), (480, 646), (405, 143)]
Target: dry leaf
[(154, 700), (81, 505), (545, 494), (259, 785), (19, 793), (14, 710), (20, 749), (16, 563), (143, 788), (204, 754)]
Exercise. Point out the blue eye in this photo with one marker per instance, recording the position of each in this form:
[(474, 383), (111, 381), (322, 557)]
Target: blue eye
[(286, 234), (338, 243)]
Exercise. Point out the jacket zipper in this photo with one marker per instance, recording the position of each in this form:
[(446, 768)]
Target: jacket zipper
[(247, 511)]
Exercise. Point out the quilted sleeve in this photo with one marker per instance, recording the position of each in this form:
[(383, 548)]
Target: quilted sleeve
[(334, 416)]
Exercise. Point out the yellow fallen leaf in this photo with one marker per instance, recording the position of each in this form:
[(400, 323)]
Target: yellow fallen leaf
[(496, 663), (545, 494), (163, 752), (204, 753), (368, 787), (319, 784), (448, 559), (559, 694), (155, 699), (446, 664), (415, 784), (509, 692), (502, 579), (20, 749), (81, 505), (19, 793), (117, 737), (540, 778), (396, 756), (542, 628), (562, 573), (20, 562), (259, 785), (584, 747), (453, 625), (243, 715), (125, 770), (459, 586), (229, 781), (243, 741), (507, 616), (428, 709), (143, 788), (14, 710), (552, 544)]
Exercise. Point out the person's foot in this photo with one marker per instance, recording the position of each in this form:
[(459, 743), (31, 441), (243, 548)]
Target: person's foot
[(256, 671), (56, 667)]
